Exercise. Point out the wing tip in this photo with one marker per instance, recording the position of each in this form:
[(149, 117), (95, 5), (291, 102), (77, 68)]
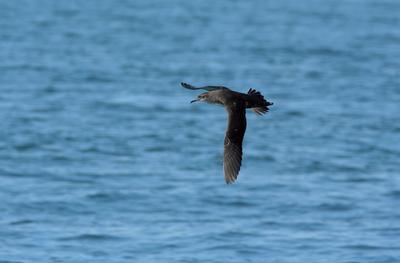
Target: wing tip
[(230, 181), (231, 173), (185, 85)]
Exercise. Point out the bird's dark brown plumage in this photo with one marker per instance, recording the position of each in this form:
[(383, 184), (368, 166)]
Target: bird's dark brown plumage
[(235, 104), (234, 139)]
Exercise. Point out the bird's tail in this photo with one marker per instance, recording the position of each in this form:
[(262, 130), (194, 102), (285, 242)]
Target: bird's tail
[(257, 102)]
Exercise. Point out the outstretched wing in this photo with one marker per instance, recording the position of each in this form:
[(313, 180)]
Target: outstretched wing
[(207, 88), (233, 140)]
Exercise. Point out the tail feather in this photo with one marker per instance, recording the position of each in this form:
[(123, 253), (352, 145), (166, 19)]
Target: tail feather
[(257, 102)]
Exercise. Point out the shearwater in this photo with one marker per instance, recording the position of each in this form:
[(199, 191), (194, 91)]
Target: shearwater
[(235, 104)]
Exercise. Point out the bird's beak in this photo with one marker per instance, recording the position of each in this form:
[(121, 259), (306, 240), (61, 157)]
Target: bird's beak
[(194, 101)]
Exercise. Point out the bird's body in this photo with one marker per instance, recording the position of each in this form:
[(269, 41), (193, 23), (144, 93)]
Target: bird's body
[(235, 104)]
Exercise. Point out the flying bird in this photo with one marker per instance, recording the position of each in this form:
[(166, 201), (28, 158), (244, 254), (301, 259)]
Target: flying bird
[(235, 104)]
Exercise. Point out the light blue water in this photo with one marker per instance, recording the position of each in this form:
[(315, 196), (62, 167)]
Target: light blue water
[(103, 159)]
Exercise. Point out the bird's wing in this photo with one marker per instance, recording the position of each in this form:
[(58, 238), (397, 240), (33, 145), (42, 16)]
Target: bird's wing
[(207, 88), (233, 140)]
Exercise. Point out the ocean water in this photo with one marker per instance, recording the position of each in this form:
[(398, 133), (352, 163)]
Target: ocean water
[(103, 159)]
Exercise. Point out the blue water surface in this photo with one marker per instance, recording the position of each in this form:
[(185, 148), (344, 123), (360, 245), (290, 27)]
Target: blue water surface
[(103, 159)]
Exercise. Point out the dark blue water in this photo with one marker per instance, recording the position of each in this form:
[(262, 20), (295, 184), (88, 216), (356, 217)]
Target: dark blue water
[(103, 159)]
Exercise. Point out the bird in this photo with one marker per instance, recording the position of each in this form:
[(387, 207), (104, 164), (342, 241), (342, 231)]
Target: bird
[(235, 104)]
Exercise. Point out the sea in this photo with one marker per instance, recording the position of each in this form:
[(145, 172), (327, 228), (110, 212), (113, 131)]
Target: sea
[(103, 158)]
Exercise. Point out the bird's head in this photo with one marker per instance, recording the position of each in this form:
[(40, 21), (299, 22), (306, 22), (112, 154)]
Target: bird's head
[(202, 97)]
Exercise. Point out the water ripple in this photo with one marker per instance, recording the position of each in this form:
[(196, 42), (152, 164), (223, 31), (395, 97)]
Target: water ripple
[(91, 237)]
